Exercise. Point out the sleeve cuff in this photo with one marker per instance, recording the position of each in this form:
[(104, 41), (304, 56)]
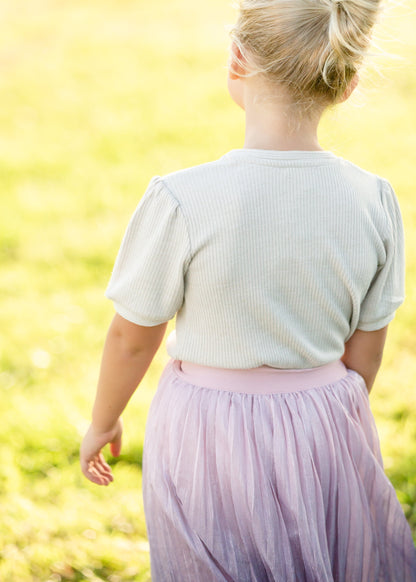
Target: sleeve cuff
[(375, 325), (135, 317)]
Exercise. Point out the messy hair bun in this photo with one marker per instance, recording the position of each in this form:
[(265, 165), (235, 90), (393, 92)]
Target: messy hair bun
[(311, 47)]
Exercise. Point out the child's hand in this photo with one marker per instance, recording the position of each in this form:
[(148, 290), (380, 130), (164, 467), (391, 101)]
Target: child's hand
[(93, 464)]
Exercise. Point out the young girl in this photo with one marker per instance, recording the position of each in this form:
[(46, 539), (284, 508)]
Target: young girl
[(284, 265)]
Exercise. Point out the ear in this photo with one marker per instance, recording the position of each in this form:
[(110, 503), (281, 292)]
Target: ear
[(237, 64), (351, 86)]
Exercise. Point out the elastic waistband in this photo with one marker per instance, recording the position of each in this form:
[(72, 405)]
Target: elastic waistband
[(263, 380)]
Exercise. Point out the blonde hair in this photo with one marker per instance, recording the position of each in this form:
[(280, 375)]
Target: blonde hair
[(312, 48)]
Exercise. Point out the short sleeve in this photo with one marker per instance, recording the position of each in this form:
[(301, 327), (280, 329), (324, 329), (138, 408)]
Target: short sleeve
[(147, 283), (386, 292)]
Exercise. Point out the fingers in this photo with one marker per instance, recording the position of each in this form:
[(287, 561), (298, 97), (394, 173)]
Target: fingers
[(93, 464), (97, 470), (115, 446), (115, 443)]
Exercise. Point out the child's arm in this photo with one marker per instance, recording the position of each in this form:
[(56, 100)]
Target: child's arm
[(128, 351), (364, 352)]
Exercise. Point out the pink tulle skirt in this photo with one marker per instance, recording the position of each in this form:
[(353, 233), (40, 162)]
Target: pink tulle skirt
[(269, 475)]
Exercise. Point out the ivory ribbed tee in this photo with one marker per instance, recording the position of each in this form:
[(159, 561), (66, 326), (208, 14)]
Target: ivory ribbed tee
[(266, 257)]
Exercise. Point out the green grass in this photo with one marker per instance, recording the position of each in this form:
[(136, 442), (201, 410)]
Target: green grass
[(97, 97)]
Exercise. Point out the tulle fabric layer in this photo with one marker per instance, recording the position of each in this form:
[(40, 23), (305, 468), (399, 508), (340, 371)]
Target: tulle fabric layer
[(282, 487)]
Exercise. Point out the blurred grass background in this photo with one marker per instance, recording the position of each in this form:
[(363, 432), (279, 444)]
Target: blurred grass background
[(96, 98)]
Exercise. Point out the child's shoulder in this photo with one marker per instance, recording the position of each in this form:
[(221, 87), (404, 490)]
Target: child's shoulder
[(355, 171), (371, 192), (201, 176), (368, 187), (205, 181)]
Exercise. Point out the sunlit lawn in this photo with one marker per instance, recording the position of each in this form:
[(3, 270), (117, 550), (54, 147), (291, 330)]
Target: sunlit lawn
[(96, 98)]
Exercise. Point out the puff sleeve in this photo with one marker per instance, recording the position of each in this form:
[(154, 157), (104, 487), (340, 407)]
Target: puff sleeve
[(386, 292), (147, 283)]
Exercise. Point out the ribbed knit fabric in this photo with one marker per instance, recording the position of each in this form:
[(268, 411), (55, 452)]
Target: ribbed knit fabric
[(267, 258)]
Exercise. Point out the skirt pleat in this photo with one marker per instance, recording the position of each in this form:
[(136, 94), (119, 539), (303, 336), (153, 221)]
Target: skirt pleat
[(275, 487)]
